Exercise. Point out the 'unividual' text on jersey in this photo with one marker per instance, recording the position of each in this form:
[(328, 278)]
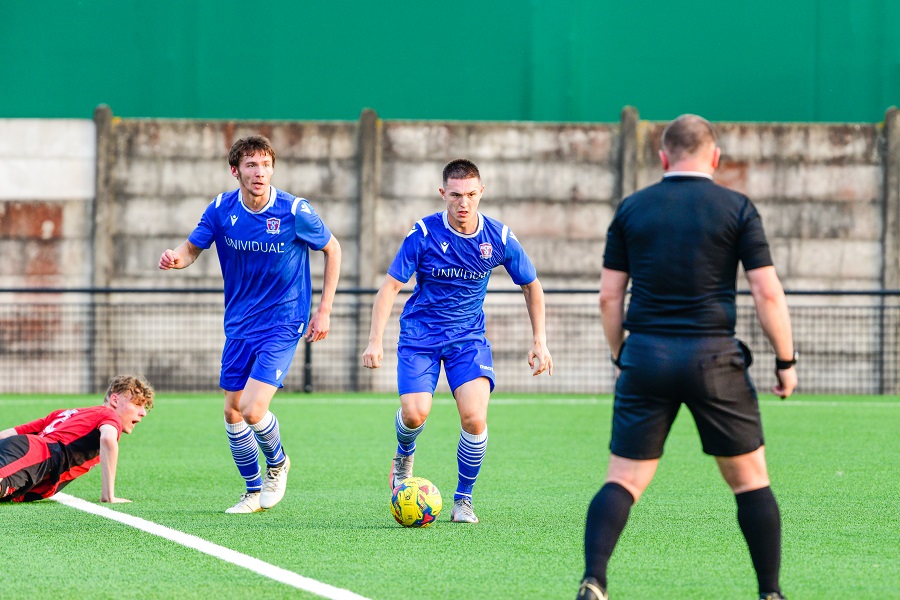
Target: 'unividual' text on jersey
[(452, 271), (264, 258)]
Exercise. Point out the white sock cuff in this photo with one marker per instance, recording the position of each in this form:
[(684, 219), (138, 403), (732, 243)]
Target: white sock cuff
[(402, 425), (263, 423), (235, 427), (471, 437)]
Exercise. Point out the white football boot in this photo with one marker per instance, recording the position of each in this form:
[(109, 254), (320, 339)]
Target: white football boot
[(274, 484), (249, 503)]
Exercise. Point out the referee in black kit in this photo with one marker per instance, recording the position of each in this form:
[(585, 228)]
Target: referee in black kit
[(680, 241)]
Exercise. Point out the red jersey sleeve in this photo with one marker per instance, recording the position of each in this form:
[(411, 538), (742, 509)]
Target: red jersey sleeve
[(37, 425)]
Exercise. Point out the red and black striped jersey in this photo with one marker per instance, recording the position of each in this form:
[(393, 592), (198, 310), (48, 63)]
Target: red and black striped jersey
[(77, 430)]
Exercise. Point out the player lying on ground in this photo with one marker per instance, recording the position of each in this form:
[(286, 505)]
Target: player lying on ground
[(39, 458)]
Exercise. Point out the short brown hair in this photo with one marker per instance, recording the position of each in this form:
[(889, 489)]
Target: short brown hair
[(461, 168), (249, 146), (141, 392), (685, 135)]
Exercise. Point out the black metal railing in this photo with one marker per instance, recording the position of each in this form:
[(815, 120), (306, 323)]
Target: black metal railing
[(73, 340)]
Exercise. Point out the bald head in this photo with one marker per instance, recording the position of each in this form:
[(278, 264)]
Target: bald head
[(688, 141)]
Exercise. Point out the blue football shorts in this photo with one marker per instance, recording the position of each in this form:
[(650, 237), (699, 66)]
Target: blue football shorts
[(418, 368), (265, 358)]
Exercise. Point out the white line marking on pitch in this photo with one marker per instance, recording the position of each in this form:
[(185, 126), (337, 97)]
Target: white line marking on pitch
[(226, 554)]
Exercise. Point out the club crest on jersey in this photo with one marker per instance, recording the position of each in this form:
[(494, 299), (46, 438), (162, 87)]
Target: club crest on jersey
[(486, 250), (273, 226)]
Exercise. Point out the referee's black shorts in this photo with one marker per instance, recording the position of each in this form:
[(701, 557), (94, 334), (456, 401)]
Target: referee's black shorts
[(708, 374)]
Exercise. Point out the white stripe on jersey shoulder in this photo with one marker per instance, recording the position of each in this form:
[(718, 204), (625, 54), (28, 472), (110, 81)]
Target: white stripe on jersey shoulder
[(303, 207), (420, 224), (219, 199), (504, 233), (464, 235)]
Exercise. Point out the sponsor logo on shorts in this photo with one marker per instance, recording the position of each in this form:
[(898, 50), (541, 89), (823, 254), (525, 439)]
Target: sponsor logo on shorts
[(278, 373), (486, 368)]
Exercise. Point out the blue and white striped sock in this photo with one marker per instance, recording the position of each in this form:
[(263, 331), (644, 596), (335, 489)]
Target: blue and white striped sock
[(245, 453), (269, 439), (469, 456), (406, 437)]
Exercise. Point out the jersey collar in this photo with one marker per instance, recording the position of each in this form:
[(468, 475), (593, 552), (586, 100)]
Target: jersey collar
[(464, 235), (268, 205), (687, 174)]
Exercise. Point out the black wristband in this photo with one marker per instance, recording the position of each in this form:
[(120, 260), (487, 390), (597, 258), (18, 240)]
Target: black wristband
[(781, 364), (614, 360)]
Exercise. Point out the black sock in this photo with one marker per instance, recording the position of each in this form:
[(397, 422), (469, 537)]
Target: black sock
[(606, 519), (760, 521)]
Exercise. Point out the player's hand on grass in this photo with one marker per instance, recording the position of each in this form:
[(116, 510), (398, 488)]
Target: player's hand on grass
[(373, 355), (539, 360)]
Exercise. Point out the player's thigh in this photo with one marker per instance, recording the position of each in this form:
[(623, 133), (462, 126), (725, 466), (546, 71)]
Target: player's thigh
[(415, 408), (723, 400), (255, 400), (633, 475), (418, 370), (472, 400), (646, 397), (468, 361), (746, 472)]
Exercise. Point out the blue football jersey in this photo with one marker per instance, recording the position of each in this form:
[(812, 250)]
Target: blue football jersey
[(264, 258), (452, 272)]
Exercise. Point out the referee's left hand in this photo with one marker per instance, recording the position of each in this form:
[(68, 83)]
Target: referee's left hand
[(787, 381), (540, 356)]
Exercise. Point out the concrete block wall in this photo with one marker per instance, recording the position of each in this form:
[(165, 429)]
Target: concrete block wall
[(100, 200), (48, 169)]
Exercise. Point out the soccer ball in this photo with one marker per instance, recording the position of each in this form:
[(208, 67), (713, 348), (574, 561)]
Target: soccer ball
[(416, 502)]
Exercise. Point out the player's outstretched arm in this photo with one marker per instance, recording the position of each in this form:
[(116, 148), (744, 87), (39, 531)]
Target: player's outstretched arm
[(772, 312), (320, 323), (179, 258), (539, 358), (7, 432), (381, 312), (109, 458)]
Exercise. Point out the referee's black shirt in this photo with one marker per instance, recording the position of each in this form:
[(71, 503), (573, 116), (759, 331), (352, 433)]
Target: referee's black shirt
[(680, 240)]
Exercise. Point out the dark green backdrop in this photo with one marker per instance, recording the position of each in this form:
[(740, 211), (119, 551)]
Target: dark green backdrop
[(543, 60)]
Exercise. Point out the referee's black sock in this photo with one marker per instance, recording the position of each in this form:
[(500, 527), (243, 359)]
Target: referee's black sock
[(760, 521), (606, 519)]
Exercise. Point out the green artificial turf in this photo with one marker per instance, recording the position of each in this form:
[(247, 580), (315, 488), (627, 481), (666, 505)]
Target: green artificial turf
[(833, 462)]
